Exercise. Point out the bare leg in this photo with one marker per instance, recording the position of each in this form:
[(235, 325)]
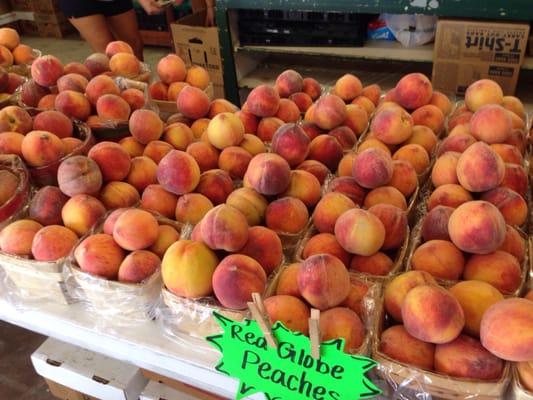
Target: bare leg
[(94, 30), (124, 27)]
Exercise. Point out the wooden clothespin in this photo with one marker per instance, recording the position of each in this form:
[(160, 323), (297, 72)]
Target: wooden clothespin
[(257, 308), (314, 333)]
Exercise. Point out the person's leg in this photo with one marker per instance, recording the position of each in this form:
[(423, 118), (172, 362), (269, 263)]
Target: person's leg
[(124, 27), (94, 30)]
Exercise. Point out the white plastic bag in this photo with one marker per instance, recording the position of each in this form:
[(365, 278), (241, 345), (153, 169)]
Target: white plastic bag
[(412, 29)]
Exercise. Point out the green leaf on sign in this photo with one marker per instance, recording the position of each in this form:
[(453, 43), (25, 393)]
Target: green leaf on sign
[(289, 372)]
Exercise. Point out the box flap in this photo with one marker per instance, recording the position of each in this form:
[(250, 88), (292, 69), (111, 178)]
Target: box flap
[(87, 372)]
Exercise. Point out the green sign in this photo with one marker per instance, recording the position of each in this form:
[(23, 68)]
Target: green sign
[(289, 372)]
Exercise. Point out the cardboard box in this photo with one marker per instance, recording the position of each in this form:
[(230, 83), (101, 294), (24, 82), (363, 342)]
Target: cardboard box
[(180, 387), (199, 45), (159, 391), (77, 373), (466, 51)]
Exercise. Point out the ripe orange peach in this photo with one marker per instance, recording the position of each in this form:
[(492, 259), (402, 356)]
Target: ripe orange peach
[(113, 107), (114, 162), (216, 185), (330, 112), (250, 203), (392, 125), (514, 244), (378, 264), (346, 164), (512, 206), (46, 205), (157, 199), (52, 243), (373, 92), (385, 195), (415, 154), (289, 310), (444, 169), (117, 194), (97, 63), (73, 104), (17, 237), (171, 68), (341, 322), (329, 209), (46, 70), (509, 154), (55, 122), (372, 168), (145, 126), (99, 255), (435, 225), (449, 195), (491, 124), (288, 281), (457, 143), (480, 168), (302, 100), (156, 150), (413, 91), (81, 212), (159, 91), (178, 172), (192, 207), (263, 101), (135, 229), (345, 136), (360, 232), (287, 215), (75, 82), (125, 64), (117, 46), (291, 142), (132, 146), (404, 177), (499, 268), (430, 116), (515, 178), (224, 228), (348, 187), (442, 101), (288, 111), (312, 88), (79, 175), (268, 174), (482, 92), (41, 148), (167, 236), (99, 86), (198, 77), (423, 136), (143, 172), (138, 266), (319, 170), (259, 239), (326, 243), (267, 127), (288, 82), (440, 258), (348, 87), (205, 154), (192, 102), (398, 344), (395, 222), (327, 150), (11, 143), (31, 93), (219, 106), (249, 121), (225, 130)]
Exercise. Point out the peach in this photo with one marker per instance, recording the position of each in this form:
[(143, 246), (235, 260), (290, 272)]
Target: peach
[(385, 195), (356, 119), (6, 57), (287, 215), (234, 160), (136, 229), (413, 91), (330, 112), (514, 105), (291, 142), (46, 70), (372, 92), (509, 154), (347, 186), (171, 68), (99, 255), (430, 116), (77, 68), (480, 168), (157, 199), (302, 100), (41, 148), (356, 298), (205, 154), (371, 142), (465, 357), (11, 143), (457, 143), (267, 127), (224, 228), (199, 126), (506, 329), (288, 281), (219, 106), (304, 186), (132, 146), (9, 38), (268, 174), (116, 194), (477, 227), (415, 154), (9, 183), (319, 170), (372, 168), (117, 46), (423, 136), (145, 126), (514, 244), (312, 88), (192, 207), (113, 107), (444, 169), (378, 264), (111, 219), (289, 310), (515, 178), (216, 185), (252, 144), (499, 268), (435, 223), (14, 81), (73, 104), (46, 205), (395, 222), (311, 130), (399, 345), (475, 298), (100, 85), (52, 243), (125, 64), (432, 314), (366, 104), (249, 121), (398, 288), (329, 209), (344, 136), (187, 269), (178, 172), (323, 281), (31, 93), (55, 122), (79, 175), (178, 135), (288, 82), (143, 172), (192, 102), (348, 87), (483, 92), (236, 278), (250, 203), (442, 101), (404, 177), (392, 125), (525, 373), (97, 63), (462, 129), (17, 237), (341, 322), (360, 232), (263, 101), (326, 243), (259, 239), (167, 236), (198, 77), (225, 130), (113, 161), (491, 124), (15, 119), (346, 164), (512, 206), (440, 258), (75, 82), (138, 266), (327, 150), (288, 111), (159, 91), (156, 150), (449, 195), (81, 212)]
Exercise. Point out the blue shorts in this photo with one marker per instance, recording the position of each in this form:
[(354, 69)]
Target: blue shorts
[(84, 8)]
